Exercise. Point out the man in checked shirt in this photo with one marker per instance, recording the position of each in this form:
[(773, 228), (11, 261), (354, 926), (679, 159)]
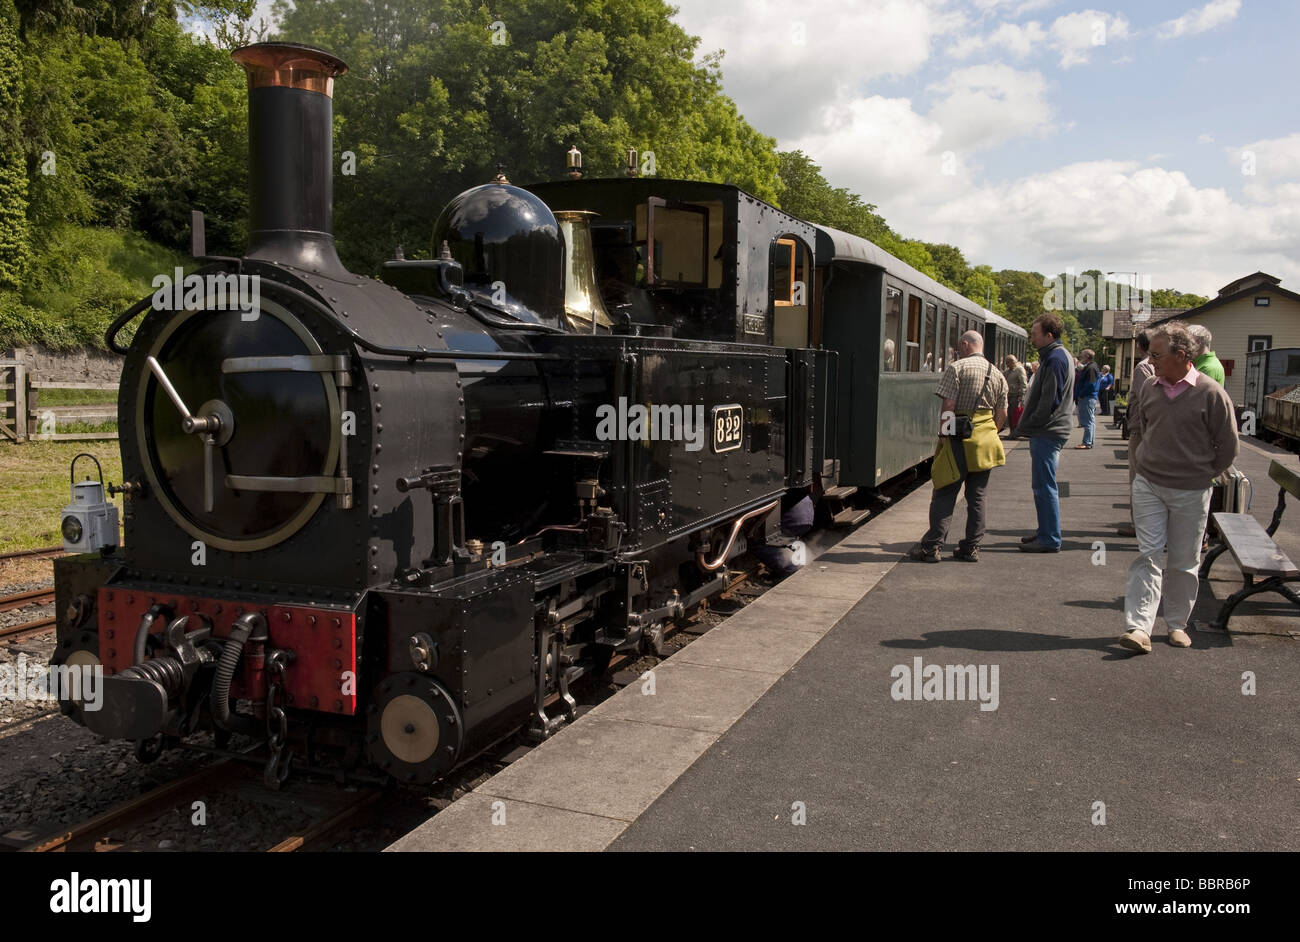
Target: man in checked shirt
[(969, 386)]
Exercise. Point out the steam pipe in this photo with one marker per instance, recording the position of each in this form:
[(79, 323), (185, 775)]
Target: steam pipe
[(735, 530)]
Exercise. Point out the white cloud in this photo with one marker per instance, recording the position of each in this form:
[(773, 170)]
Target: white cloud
[(1270, 159), (990, 104), (1021, 7), (1205, 138), (1075, 35), (1215, 13), (778, 81), (1018, 40)]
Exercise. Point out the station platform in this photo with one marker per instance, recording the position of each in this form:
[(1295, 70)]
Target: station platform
[(783, 727)]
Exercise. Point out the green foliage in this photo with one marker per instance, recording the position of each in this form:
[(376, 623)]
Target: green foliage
[(114, 123), (85, 279), (1168, 297), (14, 237), (806, 194), (432, 104)]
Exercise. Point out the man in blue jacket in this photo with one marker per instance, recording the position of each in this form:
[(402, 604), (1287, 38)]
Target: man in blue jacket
[(1085, 394), (1046, 422)]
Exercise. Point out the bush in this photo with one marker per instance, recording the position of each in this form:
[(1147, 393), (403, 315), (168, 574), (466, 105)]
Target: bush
[(78, 283)]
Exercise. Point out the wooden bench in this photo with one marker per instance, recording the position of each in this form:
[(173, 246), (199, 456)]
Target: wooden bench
[(1120, 420), (1253, 548)]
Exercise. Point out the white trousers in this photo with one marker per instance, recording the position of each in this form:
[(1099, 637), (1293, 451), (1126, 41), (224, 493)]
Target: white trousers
[(1164, 517)]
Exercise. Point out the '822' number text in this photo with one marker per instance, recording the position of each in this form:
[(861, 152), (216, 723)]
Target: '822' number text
[(728, 427)]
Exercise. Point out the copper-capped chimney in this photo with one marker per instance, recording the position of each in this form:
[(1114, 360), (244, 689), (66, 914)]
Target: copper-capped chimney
[(291, 154)]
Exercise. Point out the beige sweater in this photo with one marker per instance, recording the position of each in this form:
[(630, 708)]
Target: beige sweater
[(1184, 442), (1143, 373)]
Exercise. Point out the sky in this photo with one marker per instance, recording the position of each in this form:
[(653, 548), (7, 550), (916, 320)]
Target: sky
[(1158, 137)]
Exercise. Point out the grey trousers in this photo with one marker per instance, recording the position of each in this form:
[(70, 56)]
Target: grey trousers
[(944, 501)]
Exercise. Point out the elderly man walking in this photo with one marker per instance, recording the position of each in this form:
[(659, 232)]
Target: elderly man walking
[(1188, 435), (1017, 382), (1046, 423), (1143, 373), (971, 389)]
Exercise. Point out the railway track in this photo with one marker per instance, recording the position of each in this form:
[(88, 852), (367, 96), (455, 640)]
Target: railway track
[(330, 811), (35, 597), (9, 603), (46, 552)]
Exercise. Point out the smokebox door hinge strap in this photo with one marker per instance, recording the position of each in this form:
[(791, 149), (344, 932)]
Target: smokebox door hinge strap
[(296, 485)]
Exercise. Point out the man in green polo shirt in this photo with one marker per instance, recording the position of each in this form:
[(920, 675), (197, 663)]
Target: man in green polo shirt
[(1203, 358), (1187, 435)]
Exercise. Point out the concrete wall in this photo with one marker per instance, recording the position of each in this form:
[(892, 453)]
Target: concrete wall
[(79, 366)]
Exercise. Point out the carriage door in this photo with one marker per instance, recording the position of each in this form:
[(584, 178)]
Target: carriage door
[(791, 292)]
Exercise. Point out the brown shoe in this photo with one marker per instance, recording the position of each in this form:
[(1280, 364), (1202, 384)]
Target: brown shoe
[(1179, 639), (1136, 640), (923, 555)]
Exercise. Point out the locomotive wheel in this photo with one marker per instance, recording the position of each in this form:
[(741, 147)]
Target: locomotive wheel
[(414, 729)]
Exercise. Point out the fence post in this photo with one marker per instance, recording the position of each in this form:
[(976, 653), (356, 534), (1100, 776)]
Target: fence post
[(20, 401)]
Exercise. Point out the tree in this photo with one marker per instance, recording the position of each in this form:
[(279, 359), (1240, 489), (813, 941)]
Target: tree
[(441, 93), (807, 195), (950, 263), (14, 236)]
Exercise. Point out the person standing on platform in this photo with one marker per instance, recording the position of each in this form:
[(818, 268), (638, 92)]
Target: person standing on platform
[(970, 389), (1143, 373), (1085, 394), (1046, 423), (1017, 382), (1204, 359), (1188, 437), (1105, 389)]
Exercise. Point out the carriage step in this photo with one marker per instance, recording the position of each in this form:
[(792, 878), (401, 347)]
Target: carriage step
[(839, 493), (850, 517)]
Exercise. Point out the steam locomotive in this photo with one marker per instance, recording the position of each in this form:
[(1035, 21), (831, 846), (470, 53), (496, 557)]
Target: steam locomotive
[(402, 516)]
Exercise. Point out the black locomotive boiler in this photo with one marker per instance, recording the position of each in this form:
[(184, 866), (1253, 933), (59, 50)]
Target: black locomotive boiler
[(401, 516)]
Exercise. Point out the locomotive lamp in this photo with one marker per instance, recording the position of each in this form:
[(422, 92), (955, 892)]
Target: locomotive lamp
[(631, 161), (573, 161), (90, 522)]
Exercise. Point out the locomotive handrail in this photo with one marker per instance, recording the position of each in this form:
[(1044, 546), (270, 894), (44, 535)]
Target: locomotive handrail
[(131, 313), (412, 353)]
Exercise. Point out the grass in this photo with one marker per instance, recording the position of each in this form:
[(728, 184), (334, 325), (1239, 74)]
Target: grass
[(74, 397), (34, 488)]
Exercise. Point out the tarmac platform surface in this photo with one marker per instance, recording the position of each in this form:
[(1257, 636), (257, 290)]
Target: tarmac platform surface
[(782, 729)]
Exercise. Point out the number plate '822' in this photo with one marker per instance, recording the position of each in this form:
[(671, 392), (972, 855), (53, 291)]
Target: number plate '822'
[(728, 427)]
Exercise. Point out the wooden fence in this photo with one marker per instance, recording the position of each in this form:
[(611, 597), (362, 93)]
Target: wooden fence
[(22, 419)]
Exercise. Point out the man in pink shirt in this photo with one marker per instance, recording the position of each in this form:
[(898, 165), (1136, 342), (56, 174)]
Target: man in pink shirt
[(1186, 436)]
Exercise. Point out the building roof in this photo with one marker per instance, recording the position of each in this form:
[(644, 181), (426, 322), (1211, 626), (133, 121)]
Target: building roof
[(1126, 328), (844, 246), (1250, 281), (1259, 283)]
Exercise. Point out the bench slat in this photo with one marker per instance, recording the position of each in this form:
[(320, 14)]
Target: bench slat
[(1287, 479), (1255, 552)]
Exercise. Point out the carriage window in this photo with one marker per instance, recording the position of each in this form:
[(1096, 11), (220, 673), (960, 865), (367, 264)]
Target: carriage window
[(913, 334), (893, 318), (783, 271), (932, 352), (953, 318), (790, 292), (679, 234)]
